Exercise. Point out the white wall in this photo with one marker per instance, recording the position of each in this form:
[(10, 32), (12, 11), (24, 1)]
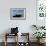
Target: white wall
[(24, 25)]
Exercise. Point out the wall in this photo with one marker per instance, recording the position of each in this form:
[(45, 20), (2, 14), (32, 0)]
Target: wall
[(24, 25)]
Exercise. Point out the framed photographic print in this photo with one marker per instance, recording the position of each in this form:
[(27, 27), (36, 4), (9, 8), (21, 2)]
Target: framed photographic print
[(17, 13), (41, 8), (41, 12)]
